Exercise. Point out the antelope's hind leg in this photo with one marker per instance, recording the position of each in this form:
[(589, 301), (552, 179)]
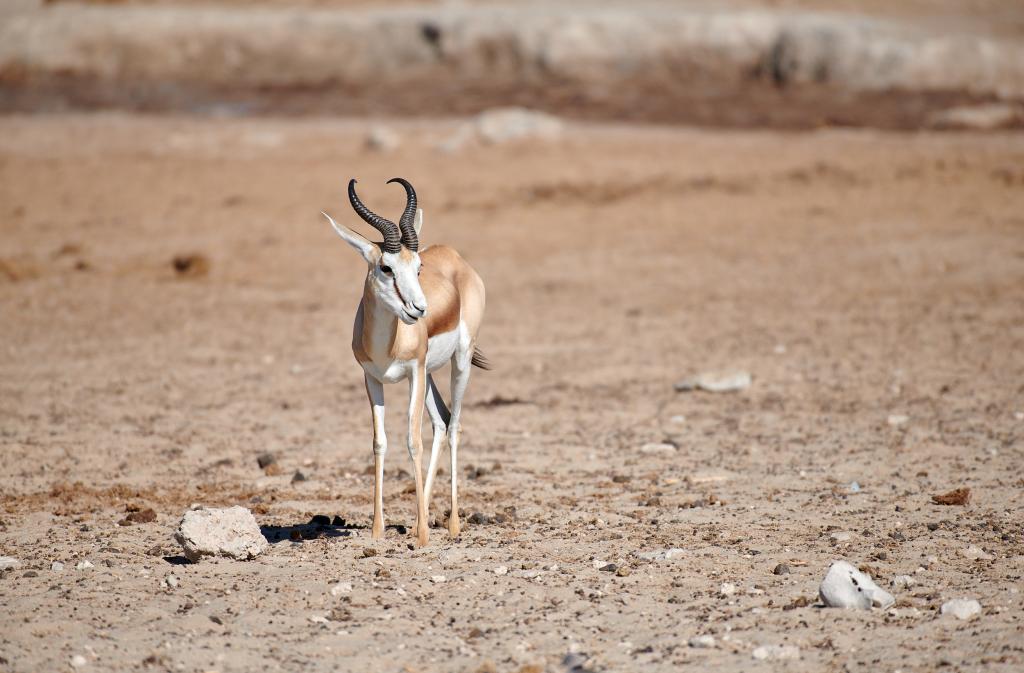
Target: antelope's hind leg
[(375, 393), (439, 418), (461, 365)]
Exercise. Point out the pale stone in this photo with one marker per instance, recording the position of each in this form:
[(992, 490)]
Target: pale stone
[(231, 532), (961, 608), (846, 587)]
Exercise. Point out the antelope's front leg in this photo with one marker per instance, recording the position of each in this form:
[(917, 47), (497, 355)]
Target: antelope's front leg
[(375, 393), (417, 385)]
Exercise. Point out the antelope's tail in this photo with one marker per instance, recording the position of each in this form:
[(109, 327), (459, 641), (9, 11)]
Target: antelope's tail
[(479, 360)]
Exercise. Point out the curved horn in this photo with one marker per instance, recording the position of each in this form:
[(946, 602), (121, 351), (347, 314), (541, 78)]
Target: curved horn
[(406, 224), (392, 236)]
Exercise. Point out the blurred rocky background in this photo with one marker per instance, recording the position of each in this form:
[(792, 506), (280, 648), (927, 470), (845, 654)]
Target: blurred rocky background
[(778, 63)]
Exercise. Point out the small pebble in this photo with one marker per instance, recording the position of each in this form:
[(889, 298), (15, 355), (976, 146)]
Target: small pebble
[(776, 652), (78, 661), (976, 554), (501, 570), (341, 588), (8, 562), (438, 579), (702, 642), (368, 552), (903, 581), (727, 589), (56, 566), (781, 569), (84, 565)]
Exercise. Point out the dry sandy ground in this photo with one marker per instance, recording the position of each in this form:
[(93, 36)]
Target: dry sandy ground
[(857, 275)]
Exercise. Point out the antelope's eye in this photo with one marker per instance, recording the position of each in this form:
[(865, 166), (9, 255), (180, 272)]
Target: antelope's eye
[(385, 268)]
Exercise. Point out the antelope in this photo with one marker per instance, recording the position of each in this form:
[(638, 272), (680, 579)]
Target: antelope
[(419, 310)]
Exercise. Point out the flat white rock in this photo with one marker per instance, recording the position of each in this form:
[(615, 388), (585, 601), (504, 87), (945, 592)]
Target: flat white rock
[(657, 447), (976, 554), (716, 382), (8, 562), (231, 532), (661, 554), (846, 587), (776, 652), (702, 642), (961, 608)]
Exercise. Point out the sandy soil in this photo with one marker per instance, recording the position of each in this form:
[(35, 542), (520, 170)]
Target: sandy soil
[(857, 275)]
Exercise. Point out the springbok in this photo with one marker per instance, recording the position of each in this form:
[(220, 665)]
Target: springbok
[(419, 310)]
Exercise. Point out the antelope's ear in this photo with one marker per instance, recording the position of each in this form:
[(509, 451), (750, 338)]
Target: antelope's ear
[(417, 224), (363, 246)]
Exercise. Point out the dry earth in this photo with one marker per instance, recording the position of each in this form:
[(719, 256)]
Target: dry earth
[(857, 275)]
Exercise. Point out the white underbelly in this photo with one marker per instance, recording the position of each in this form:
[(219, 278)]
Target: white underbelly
[(440, 348)]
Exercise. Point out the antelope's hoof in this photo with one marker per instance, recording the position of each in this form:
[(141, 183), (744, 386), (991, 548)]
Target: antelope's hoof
[(422, 537), (453, 527), (378, 530)]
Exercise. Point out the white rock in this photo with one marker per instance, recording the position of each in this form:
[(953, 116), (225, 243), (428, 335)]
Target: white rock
[(961, 608), (657, 447), (501, 570), (902, 581), (896, 420), (661, 554), (231, 532), (438, 579), (841, 536), (702, 642), (56, 566), (716, 382), (341, 588), (727, 589), (976, 554), (978, 117), (84, 565), (382, 139), (171, 582), (776, 652), (78, 661), (846, 587), (8, 562), (503, 125)]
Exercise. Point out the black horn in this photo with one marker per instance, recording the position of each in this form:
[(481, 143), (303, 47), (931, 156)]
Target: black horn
[(392, 236), (408, 222)]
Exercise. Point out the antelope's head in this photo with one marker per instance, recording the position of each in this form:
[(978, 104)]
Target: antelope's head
[(393, 266)]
